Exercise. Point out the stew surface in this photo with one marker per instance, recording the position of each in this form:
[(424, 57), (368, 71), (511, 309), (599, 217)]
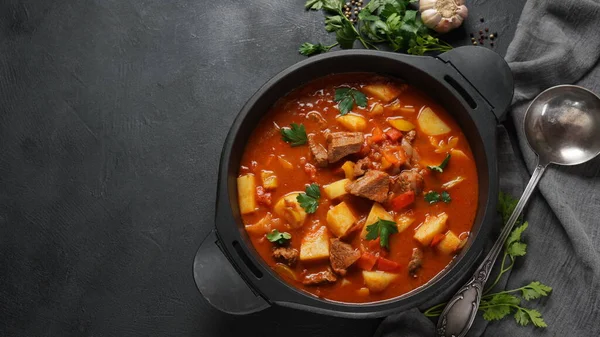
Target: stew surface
[(361, 207)]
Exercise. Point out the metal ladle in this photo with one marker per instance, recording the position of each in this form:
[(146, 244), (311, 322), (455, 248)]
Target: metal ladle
[(562, 126)]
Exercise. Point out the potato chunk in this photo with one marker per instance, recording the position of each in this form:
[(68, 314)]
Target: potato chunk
[(348, 169), (377, 109), (403, 221), (290, 210), (340, 219), (246, 185), (401, 124), (430, 227), (353, 122), (378, 280), (336, 189), (315, 245), (377, 211), (431, 124), (385, 92), (269, 179), (449, 243)]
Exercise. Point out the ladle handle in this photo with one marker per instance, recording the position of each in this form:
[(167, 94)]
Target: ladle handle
[(460, 312)]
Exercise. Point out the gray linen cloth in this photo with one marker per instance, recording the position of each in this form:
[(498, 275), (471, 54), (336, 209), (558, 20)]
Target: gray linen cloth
[(556, 42)]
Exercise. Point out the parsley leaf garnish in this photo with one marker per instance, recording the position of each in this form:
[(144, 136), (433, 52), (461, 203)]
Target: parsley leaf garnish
[(279, 237), (506, 205), (295, 134), (433, 197), (346, 97), (382, 229), (309, 49), (310, 200), (440, 168), (535, 290)]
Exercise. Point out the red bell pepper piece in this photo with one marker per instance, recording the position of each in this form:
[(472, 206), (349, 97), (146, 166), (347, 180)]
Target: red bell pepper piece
[(393, 134), (387, 265), (403, 200), (367, 261)]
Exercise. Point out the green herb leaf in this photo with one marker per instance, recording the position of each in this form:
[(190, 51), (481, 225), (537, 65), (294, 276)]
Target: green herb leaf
[(496, 312), (432, 197), (346, 97), (278, 237), (522, 317), (381, 229), (295, 134), (513, 246), (333, 23), (310, 200), (346, 35), (314, 4), (535, 290), (330, 5), (309, 49), (440, 168), (506, 205), (536, 318)]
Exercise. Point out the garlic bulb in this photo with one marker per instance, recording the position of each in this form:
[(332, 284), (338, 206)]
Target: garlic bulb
[(443, 15)]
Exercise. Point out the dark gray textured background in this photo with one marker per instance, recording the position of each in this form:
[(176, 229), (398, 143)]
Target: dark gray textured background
[(112, 117)]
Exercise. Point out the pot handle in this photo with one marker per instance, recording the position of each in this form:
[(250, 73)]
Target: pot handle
[(488, 74), (220, 283)]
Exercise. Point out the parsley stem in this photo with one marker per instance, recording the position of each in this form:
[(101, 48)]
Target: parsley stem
[(497, 277)]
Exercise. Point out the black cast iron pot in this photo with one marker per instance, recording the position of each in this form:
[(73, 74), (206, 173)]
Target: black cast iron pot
[(473, 83)]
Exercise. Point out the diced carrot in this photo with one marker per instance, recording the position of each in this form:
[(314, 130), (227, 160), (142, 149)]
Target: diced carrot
[(403, 200), (390, 157), (436, 239), (393, 134), (366, 261), (374, 245), (387, 265), (377, 135)]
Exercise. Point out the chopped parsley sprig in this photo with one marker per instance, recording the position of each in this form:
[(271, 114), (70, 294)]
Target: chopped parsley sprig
[(346, 97), (433, 197), (496, 306), (278, 237), (295, 134), (310, 200), (440, 168), (381, 229)]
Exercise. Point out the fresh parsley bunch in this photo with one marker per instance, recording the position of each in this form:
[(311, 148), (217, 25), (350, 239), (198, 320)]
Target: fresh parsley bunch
[(388, 22), (496, 306)]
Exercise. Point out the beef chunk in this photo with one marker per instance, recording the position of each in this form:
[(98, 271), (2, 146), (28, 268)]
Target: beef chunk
[(416, 261), (407, 180), (317, 151), (342, 256), (325, 276), (374, 185), (341, 144), (287, 255), (412, 157), (361, 167)]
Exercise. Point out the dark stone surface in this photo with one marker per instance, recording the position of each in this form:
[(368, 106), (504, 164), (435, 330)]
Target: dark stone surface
[(112, 117)]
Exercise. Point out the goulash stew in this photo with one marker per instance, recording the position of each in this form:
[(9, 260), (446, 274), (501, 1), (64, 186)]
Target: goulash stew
[(357, 188)]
